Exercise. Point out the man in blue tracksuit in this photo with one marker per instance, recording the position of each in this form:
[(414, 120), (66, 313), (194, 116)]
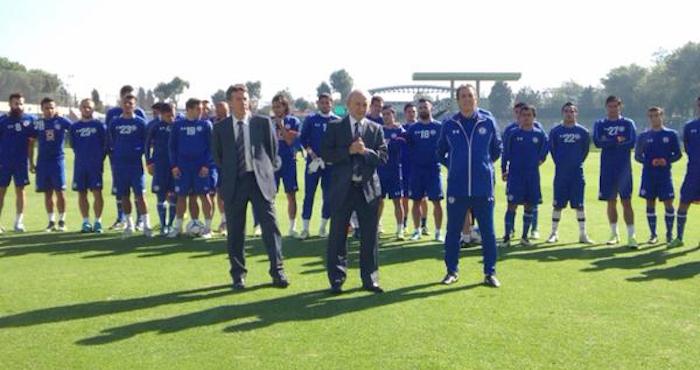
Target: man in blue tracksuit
[(50, 167), (312, 132), (472, 143), (690, 190), (569, 144), (158, 165), (656, 149), (525, 149), (615, 135)]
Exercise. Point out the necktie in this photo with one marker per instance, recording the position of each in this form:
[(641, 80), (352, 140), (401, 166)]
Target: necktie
[(356, 176), (240, 149)]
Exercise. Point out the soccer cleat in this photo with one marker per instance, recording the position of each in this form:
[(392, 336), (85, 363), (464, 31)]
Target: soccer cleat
[(118, 225), (525, 242), (400, 235), (505, 243), (292, 233), (653, 240), (206, 234), (322, 233), (139, 226), (583, 238), (163, 231), (492, 281), (465, 242), (676, 243), (304, 234), (174, 232), (534, 234), (19, 228), (450, 278), (128, 231), (61, 226), (553, 238), (148, 232), (425, 231), (97, 228), (614, 239), (632, 243), (86, 228), (438, 237), (475, 236), (380, 229), (257, 231), (416, 235), (51, 227), (669, 238)]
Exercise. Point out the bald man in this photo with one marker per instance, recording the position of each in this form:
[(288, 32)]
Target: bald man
[(355, 147)]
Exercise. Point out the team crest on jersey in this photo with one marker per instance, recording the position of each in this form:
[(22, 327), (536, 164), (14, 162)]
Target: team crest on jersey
[(393, 136), (156, 188), (455, 131), (57, 126), (510, 197), (621, 129), (643, 192), (18, 127), (177, 188), (25, 123), (482, 130), (287, 126), (93, 130), (665, 140), (199, 128), (535, 140), (433, 132), (451, 200)]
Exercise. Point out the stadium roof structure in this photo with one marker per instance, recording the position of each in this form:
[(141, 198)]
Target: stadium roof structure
[(428, 89), (466, 76)]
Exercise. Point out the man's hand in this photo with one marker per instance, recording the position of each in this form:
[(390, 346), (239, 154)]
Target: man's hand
[(150, 168), (658, 162), (176, 172), (204, 171), (504, 176), (310, 153), (620, 139), (357, 146), (32, 168)]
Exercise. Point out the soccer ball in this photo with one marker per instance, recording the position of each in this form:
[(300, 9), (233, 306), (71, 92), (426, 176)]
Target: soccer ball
[(194, 228)]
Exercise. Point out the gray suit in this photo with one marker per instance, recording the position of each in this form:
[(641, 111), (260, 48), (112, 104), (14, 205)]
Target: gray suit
[(258, 187), (348, 196)]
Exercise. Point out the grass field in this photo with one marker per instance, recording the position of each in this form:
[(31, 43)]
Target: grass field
[(97, 302)]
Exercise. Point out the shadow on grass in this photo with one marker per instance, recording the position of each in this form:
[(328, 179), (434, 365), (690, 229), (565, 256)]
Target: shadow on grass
[(655, 257), (683, 271), (308, 306)]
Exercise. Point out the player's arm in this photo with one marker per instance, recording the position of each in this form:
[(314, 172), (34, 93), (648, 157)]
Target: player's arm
[(305, 137), (628, 141), (585, 145), (544, 148), (30, 154), (147, 149), (640, 148), (675, 153), (686, 136), (173, 146), (505, 158)]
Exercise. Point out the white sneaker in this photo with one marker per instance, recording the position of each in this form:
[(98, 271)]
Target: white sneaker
[(206, 234), (2, 229), (416, 235), (257, 231), (292, 233), (475, 236), (614, 239), (553, 238), (174, 232), (534, 234), (128, 231), (304, 234), (322, 233), (19, 228), (585, 239), (438, 237), (400, 235), (139, 226), (525, 242), (147, 232), (381, 229)]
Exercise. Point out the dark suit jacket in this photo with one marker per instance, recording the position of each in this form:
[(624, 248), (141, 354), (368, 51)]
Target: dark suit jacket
[(264, 155), (335, 151)]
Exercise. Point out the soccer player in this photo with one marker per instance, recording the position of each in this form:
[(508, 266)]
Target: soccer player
[(422, 139), (569, 143), (390, 172), (287, 133), (16, 130), (127, 138), (88, 137), (656, 149), (410, 113), (158, 166), (312, 132), (616, 135), (690, 190), (525, 149), (50, 166), (113, 113), (190, 162), (375, 109)]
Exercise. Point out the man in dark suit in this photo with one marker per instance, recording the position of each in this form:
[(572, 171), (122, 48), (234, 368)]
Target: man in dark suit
[(355, 147), (245, 149)]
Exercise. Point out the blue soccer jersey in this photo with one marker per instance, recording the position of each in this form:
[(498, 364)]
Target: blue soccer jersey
[(616, 139), (287, 173), (15, 133), (390, 173), (50, 166), (126, 143), (525, 150), (158, 155), (89, 141), (313, 129), (422, 143), (569, 146), (690, 190), (651, 146), (190, 150), (115, 112)]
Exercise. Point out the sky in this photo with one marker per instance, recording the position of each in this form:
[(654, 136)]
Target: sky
[(297, 44)]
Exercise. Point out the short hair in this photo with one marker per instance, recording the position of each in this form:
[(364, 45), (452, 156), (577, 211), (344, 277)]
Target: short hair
[(234, 89), (87, 100), (167, 108), (408, 106), (15, 95), (156, 106), (567, 105), (192, 103), (129, 97), (324, 95), (282, 99), (205, 101), (518, 105), (528, 107), (376, 98), (424, 100), (656, 109), (464, 86), (389, 107), (126, 89), (46, 100), (613, 99)]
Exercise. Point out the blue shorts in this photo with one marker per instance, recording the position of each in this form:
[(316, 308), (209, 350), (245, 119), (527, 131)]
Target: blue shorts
[(50, 176), (524, 188), (213, 180), (288, 175), (614, 181), (690, 190), (190, 182), (426, 182), (87, 177), (128, 178), (162, 181), (391, 184), (569, 189), (656, 185), (18, 171)]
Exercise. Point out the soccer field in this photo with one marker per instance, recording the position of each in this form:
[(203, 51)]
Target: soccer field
[(96, 301)]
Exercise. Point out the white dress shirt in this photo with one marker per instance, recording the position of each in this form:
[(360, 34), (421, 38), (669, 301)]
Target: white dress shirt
[(246, 139)]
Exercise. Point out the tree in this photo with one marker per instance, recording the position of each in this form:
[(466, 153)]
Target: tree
[(341, 83), (150, 98), (171, 90), (500, 99), (218, 96), (254, 89), (8, 65), (527, 95), (626, 82), (141, 97), (588, 102), (303, 104), (95, 96), (287, 94), (323, 88)]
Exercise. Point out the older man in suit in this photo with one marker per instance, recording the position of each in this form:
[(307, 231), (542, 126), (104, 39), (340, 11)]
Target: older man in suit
[(355, 147), (245, 149)]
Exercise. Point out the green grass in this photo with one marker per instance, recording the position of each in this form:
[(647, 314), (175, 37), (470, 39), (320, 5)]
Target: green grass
[(75, 301)]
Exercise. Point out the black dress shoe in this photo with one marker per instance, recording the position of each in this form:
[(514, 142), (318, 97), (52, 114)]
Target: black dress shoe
[(336, 289), (239, 284), (280, 281), (374, 288)]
